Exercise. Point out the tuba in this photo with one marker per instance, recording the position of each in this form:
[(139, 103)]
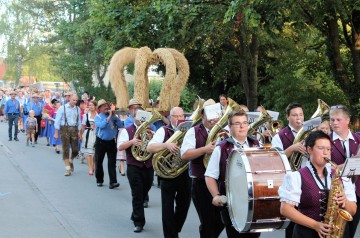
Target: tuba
[(296, 157), (218, 127), (335, 216), (168, 165), (264, 117), (145, 134)]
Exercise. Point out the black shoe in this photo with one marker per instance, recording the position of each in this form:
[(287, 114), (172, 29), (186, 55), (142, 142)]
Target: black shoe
[(57, 151), (16, 139), (47, 144), (114, 185), (99, 184), (146, 204), (138, 229), (10, 139)]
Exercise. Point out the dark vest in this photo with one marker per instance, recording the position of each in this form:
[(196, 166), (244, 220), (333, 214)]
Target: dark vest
[(197, 168), (286, 136), (339, 157), (226, 147), (129, 157), (168, 132), (313, 201)]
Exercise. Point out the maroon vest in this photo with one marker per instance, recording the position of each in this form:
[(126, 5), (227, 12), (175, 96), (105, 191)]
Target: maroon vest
[(339, 157), (129, 157), (226, 147), (286, 136), (168, 132), (313, 201), (197, 168)]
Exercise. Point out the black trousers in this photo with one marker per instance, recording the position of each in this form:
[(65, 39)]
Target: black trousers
[(38, 119), (103, 147), (176, 190), (140, 180), (303, 231), (354, 223), (231, 232), (209, 215)]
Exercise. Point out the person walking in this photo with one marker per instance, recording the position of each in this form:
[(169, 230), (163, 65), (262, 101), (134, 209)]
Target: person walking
[(107, 124), (68, 122), (12, 112), (88, 136)]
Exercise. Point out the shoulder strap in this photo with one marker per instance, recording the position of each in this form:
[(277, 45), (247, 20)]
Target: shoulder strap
[(66, 122)]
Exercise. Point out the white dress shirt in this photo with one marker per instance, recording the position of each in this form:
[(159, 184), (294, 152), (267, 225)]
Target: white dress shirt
[(290, 190)]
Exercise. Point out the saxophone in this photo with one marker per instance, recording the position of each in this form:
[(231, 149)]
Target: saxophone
[(335, 216), (296, 157)]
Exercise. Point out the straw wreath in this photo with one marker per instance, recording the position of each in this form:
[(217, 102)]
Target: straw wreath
[(117, 65)]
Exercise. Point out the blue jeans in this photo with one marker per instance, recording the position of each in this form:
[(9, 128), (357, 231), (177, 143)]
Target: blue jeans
[(13, 119)]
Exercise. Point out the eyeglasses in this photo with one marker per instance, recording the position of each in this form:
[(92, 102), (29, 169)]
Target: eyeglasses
[(177, 116), (245, 123)]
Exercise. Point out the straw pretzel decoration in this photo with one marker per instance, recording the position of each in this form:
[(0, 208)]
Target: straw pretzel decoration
[(176, 76)]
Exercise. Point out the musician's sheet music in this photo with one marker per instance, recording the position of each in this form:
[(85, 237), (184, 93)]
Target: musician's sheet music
[(143, 116), (213, 111), (253, 116), (351, 167)]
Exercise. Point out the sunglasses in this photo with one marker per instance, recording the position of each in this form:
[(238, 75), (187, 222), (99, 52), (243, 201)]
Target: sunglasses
[(342, 107)]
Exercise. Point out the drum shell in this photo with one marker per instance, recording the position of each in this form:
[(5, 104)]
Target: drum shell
[(253, 177)]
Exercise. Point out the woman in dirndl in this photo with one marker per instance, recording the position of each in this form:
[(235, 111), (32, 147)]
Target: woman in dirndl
[(121, 155), (55, 142), (88, 136), (304, 193)]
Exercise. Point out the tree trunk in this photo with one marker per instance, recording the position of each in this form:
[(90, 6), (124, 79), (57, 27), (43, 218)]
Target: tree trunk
[(334, 55), (248, 53)]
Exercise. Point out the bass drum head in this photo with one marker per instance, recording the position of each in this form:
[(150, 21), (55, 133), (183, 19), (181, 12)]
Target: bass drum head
[(238, 190)]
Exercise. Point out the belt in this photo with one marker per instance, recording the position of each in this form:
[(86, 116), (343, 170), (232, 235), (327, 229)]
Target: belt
[(13, 114)]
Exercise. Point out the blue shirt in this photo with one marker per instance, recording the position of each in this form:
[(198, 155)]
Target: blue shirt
[(12, 106), (73, 117), (107, 130), (130, 120), (36, 107)]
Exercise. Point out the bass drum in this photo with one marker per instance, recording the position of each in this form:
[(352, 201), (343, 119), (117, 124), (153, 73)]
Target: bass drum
[(261, 172)]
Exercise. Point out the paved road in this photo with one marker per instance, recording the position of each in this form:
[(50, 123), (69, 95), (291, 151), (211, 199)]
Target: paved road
[(36, 200)]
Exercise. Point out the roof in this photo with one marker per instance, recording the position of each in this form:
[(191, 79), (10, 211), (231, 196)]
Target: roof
[(2, 68)]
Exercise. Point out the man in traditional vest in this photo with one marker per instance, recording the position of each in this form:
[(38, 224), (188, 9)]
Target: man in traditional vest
[(140, 174), (285, 138), (216, 170), (175, 189), (344, 144), (193, 149), (68, 122)]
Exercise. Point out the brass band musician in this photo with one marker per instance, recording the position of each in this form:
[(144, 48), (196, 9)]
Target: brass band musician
[(216, 170), (194, 148), (177, 189), (308, 189), (344, 145)]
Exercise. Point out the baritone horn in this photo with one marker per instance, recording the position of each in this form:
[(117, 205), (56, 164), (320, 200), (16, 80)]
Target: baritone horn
[(296, 157), (217, 130), (168, 165), (145, 135)]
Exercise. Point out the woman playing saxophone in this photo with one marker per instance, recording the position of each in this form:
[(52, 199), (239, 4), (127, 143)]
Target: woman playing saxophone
[(308, 189)]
